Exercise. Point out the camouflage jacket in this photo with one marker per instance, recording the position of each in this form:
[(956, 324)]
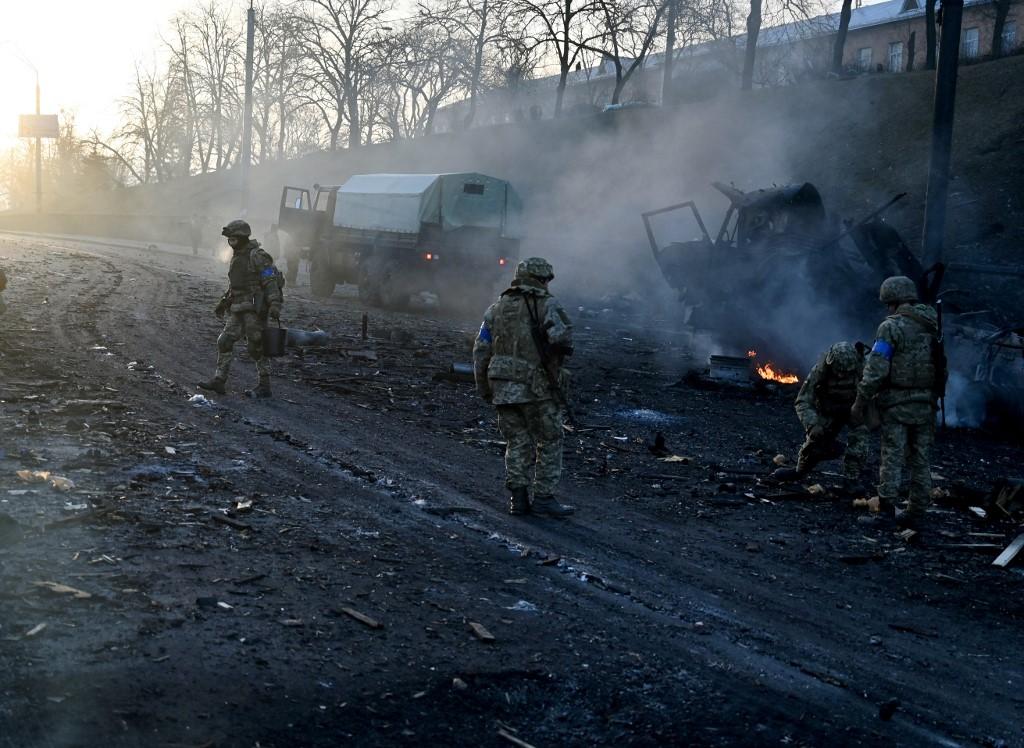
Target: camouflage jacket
[(900, 372), (826, 393), (255, 284), (506, 363)]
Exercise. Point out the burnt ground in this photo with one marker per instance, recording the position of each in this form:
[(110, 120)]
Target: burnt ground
[(215, 548)]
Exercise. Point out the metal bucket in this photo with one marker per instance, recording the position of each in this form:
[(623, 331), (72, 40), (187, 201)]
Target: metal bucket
[(274, 339)]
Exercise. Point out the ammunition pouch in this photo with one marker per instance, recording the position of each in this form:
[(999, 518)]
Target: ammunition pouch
[(510, 369)]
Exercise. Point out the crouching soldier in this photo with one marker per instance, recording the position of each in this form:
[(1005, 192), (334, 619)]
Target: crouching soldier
[(903, 374), (823, 407), (253, 296), (517, 362)]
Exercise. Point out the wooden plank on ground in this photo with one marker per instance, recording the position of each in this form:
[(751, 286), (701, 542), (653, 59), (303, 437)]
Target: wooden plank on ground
[(364, 619), (1011, 551)]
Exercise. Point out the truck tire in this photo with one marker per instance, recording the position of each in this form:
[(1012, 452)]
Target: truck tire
[(321, 279)]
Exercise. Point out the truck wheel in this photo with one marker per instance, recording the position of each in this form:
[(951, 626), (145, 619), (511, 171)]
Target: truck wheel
[(321, 280)]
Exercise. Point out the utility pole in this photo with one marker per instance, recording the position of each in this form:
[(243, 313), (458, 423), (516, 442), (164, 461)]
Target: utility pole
[(250, 36), (942, 132), (670, 52), (39, 157)]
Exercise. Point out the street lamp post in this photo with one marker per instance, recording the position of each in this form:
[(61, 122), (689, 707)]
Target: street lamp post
[(39, 141)]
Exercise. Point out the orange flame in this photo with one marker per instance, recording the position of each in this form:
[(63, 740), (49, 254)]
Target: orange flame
[(768, 372), (751, 354)]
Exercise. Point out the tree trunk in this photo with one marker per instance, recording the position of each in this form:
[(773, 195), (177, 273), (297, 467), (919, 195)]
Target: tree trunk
[(670, 47), (753, 29), (911, 51), (1002, 10), (560, 92), (840, 45), (478, 64), (354, 136), (929, 34)]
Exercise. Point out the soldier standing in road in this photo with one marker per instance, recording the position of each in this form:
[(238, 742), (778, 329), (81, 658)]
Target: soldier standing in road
[(517, 362), (823, 407), (901, 376), (254, 295)]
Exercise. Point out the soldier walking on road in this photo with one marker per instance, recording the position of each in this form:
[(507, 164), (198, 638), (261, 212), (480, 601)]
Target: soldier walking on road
[(254, 295), (195, 233), (517, 362), (901, 375), (823, 407)]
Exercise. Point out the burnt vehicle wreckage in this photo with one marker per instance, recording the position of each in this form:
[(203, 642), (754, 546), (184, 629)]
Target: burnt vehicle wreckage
[(783, 273)]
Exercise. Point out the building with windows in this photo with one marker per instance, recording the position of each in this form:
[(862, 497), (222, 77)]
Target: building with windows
[(885, 37)]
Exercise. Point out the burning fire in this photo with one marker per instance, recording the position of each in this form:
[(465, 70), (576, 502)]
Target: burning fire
[(769, 373)]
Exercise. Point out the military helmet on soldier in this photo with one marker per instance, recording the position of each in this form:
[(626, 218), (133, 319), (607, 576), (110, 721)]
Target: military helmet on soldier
[(535, 267), (897, 290), (843, 357), (237, 227)]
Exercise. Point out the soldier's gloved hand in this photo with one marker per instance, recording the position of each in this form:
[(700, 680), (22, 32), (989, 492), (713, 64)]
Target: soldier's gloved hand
[(275, 313), (858, 411)]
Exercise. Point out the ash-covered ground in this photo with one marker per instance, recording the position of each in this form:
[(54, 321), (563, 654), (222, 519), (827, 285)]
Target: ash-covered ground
[(335, 566)]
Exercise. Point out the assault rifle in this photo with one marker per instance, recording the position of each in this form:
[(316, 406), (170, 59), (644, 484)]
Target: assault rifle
[(548, 360)]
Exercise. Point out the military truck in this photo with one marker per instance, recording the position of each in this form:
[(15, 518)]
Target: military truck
[(397, 235)]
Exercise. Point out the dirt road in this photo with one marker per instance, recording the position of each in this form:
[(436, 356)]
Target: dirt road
[(326, 568)]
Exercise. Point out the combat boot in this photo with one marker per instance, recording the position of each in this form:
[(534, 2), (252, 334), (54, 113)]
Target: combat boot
[(262, 389), (548, 506), (519, 501), (217, 384)]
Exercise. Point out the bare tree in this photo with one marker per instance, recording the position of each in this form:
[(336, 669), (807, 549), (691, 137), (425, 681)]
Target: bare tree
[(840, 44), (749, 53), (1001, 9), (277, 80), (342, 37), (786, 15), (565, 26), (930, 36), (628, 32)]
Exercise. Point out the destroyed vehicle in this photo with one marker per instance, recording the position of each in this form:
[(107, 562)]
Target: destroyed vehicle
[(398, 235), (780, 274)]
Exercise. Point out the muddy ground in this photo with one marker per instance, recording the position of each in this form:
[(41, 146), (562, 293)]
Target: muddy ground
[(314, 570)]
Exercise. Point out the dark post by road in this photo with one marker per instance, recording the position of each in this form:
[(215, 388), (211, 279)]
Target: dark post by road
[(670, 47), (250, 35), (942, 132), (39, 157)]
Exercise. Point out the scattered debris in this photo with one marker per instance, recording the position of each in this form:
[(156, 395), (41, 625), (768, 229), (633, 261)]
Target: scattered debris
[(480, 632), (887, 709), (224, 520), (1010, 552), (677, 458), (781, 460), (907, 535), (37, 629), (63, 589), (362, 618), (459, 685), (1009, 496), (978, 511), (513, 739), (659, 448), (816, 490), (874, 504), (200, 401)]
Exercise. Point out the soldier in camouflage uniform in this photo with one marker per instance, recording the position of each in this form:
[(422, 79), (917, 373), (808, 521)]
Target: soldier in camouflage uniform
[(823, 407), (521, 332), (254, 295), (900, 376)]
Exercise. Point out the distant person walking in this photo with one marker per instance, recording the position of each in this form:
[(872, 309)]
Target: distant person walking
[(195, 233), (254, 295), (517, 363)]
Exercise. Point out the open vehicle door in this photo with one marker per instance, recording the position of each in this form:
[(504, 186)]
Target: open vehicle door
[(296, 217)]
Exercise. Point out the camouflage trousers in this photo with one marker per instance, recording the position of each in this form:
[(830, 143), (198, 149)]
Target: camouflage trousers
[(533, 435), (240, 325), (906, 447), (824, 447)]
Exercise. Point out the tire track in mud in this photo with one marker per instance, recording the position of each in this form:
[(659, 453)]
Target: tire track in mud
[(662, 588)]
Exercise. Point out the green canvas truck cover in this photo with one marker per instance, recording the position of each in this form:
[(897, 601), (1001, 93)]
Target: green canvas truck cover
[(402, 202)]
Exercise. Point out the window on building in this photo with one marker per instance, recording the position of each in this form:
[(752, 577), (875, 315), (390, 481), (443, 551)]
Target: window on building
[(969, 45), (1009, 36), (896, 57), (864, 58)]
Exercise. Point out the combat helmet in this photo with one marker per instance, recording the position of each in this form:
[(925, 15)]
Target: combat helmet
[(238, 227), (843, 357), (897, 290), (535, 267)]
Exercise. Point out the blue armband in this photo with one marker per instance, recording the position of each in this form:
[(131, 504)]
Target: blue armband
[(883, 349), (268, 272), (485, 334)]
